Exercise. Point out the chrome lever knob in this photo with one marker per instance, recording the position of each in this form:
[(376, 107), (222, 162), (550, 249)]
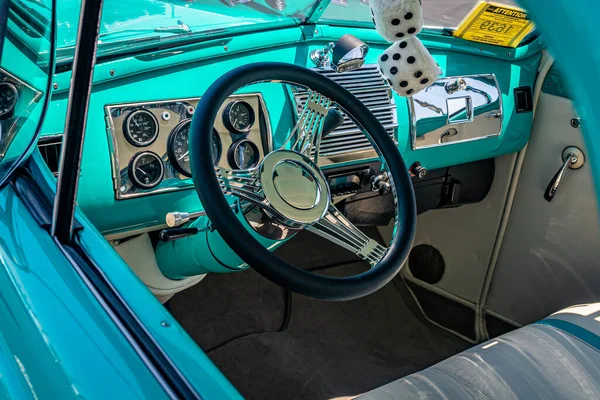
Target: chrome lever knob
[(176, 218), (573, 158)]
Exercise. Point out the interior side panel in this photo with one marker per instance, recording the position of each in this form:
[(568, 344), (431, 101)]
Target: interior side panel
[(549, 257)]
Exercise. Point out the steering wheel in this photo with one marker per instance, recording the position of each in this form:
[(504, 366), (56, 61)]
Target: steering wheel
[(290, 188)]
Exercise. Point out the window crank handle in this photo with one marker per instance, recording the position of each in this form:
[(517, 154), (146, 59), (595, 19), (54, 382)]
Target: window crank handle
[(573, 159)]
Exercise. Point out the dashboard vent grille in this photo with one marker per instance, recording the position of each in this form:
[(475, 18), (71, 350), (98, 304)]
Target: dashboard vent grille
[(368, 86), (49, 147)]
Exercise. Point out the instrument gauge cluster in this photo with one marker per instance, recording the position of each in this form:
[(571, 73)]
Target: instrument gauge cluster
[(150, 141)]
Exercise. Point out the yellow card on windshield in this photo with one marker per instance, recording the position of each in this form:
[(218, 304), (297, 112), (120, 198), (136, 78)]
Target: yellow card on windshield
[(495, 23)]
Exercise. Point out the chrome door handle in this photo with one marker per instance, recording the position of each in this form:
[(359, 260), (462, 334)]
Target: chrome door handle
[(573, 158)]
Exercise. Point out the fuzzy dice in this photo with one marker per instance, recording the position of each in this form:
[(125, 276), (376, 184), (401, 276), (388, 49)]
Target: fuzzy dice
[(397, 19), (408, 67)]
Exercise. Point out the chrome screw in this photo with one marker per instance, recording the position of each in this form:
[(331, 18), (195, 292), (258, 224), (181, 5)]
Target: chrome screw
[(576, 122)]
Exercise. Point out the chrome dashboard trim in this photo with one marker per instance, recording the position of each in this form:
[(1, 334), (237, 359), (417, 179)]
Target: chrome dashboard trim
[(116, 140), (431, 126)]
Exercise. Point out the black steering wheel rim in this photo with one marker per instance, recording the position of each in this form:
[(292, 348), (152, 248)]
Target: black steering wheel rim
[(231, 229)]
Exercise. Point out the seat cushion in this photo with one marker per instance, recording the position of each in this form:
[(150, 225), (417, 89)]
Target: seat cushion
[(556, 358)]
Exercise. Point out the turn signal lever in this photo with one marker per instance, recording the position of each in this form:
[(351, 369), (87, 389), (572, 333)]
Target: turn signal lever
[(573, 158), (333, 120)]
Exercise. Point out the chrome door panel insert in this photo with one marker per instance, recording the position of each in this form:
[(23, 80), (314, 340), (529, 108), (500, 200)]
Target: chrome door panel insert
[(455, 110)]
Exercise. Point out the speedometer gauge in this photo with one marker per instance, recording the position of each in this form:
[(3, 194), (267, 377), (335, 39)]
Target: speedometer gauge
[(179, 152), (141, 128), (238, 117), (8, 98), (146, 170)]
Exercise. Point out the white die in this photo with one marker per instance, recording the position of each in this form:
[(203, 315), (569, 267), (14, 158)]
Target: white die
[(397, 19), (408, 67)]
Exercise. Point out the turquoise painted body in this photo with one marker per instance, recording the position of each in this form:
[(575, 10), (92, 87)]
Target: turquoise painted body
[(51, 324)]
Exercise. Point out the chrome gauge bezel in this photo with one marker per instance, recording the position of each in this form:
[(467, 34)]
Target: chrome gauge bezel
[(171, 148), (13, 88), (233, 148), (227, 118), (127, 133), (134, 178)]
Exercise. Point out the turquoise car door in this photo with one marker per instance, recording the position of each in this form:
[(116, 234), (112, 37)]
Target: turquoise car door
[(65, 329)]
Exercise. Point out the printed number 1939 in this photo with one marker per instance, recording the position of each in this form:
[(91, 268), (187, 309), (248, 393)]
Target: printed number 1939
[(496, 27)]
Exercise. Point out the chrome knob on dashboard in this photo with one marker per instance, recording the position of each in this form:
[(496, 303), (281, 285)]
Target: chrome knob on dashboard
[(418, 170), (177, 218), (381, 183), (456, 85)]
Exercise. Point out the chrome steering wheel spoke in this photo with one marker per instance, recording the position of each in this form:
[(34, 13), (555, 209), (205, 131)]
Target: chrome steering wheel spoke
[(309, 128), (335, 227), (243, 184)]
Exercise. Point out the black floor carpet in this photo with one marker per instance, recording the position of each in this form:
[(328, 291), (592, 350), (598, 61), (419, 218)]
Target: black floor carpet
[(273, 345)]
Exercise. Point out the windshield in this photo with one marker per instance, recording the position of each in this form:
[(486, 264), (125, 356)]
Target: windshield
[(436, 13), (138, 23), (125, 23)]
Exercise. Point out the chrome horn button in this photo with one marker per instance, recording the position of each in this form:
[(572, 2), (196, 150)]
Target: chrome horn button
[(295, 187)]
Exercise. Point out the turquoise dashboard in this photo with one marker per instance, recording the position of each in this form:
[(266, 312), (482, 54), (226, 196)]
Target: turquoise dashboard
[(185, 72)]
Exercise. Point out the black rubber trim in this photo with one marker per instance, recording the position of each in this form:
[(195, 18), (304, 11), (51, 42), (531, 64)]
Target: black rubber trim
[(233, 231)]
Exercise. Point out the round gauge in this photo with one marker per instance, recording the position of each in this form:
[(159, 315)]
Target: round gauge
[(8, 98), (179, 152), (238, 117), (146, 170), (243, 154), (141, 128)]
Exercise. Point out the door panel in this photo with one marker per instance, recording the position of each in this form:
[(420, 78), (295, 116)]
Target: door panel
[(549, 257)]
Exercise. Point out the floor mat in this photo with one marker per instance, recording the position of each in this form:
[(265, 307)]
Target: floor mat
[(326, 350)]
